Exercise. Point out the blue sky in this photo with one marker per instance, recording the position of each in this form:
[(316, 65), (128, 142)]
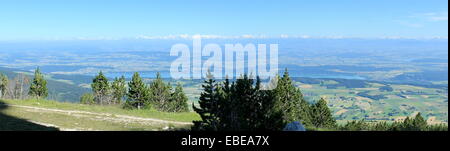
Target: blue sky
[(66, 19)]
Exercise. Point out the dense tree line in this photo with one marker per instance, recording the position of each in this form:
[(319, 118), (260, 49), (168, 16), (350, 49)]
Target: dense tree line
[(137, 94), (244, 106)]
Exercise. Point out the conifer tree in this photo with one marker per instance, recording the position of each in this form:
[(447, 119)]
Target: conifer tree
[(271, 117), (3, 85), (227, 111), (290, 101), (321, 116), (208, 110), (179, 100), (419, 123), (355, 126), (238, 106), (38, 87), (257, 103), (101, 88), (137, 92), (119, 88), (407, 124), (381, 126), (245, 104), (160, 93)]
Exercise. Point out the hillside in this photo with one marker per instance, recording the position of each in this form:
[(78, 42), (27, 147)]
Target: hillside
[(52, 115), (349, 99), (64, 90)]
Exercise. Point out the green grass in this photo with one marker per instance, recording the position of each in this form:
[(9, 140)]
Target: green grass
[(180, 117), (66, 122), (15, 117)]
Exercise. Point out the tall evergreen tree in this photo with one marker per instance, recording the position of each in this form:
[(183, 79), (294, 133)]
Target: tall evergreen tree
[(290, 101), (179, 100), (208, 110), (160, 93), (407, 124), (246, 104), (419, 123), (119, 88), (226, 110), (38, 87), (137, 92), (3, 85), (101, 88), (321, 115), (270, 117)]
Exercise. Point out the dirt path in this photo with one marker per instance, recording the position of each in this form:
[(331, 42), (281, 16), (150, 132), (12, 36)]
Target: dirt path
[(102, 116), (55, 126)]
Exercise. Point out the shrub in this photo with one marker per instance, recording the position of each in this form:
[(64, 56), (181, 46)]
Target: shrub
[(87, 98)]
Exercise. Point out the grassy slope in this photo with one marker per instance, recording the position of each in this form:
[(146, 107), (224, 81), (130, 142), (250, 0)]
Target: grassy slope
[(83, 121)]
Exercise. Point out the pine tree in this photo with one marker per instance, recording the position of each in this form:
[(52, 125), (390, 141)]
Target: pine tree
[(137, 92), (355, 126), (3, 85), (38, 87), (101, 88), (257, 118), (119, 88), (419, 123), (305, 110), (381, 126), (160, 93), (321, 116), (226, 107), (407, 124), (179, 100), (245, 104), (271, 117), (208, 110), (240, 106), (290, 101)]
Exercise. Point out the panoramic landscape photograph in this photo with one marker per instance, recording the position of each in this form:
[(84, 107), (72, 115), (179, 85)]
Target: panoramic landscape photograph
[(233, 66)]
